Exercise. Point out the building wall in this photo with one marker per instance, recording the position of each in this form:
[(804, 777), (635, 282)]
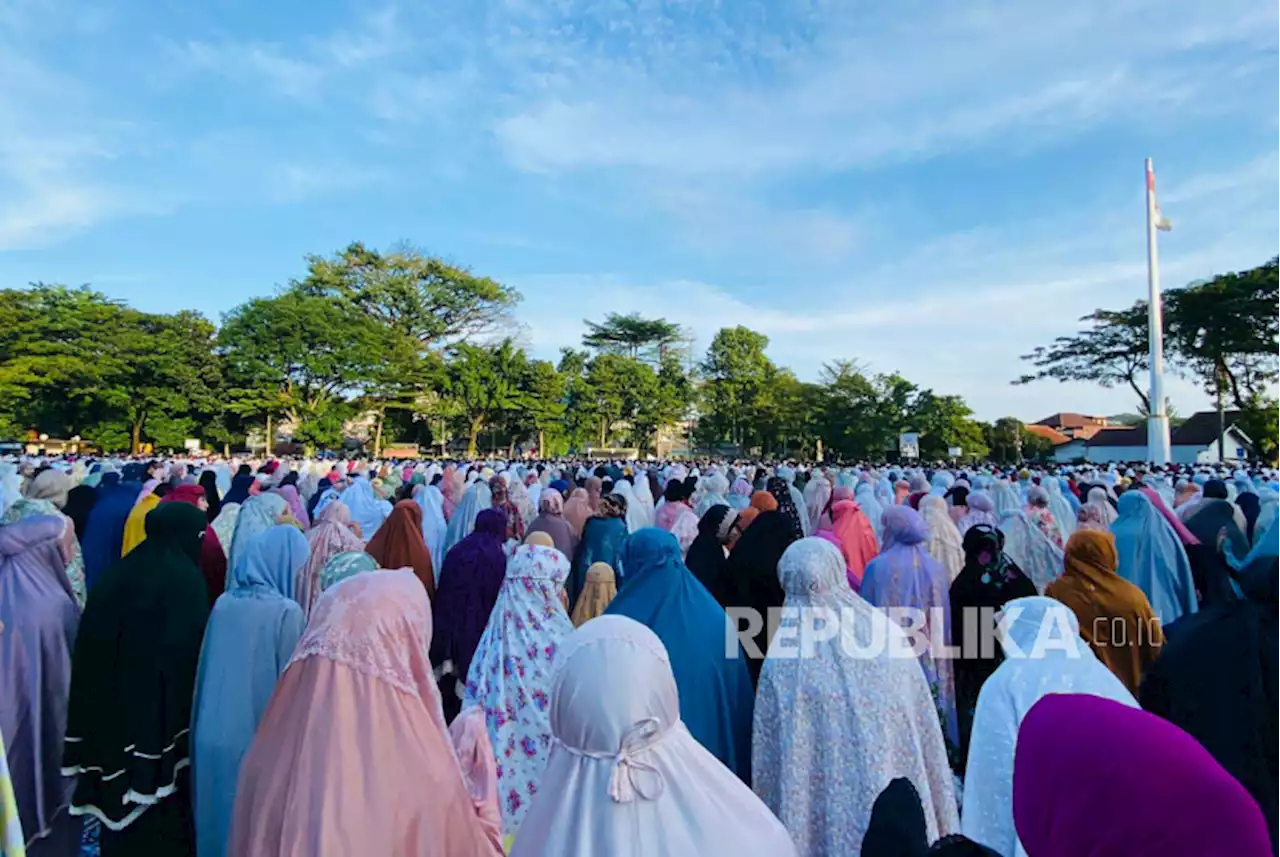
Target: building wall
[(1108, 454), (1233, 444), (1065, 453)]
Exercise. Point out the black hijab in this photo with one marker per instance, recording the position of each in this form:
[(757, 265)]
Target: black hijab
[(781, 491), (80, 501), (133, 668), (209, 482), (751, 575), (897, 828), (706, 557), (1216, 679), (1250, 506), (988, 580)]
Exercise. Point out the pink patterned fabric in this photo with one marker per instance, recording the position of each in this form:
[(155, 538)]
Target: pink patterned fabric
[(359, 688), (331, 535)]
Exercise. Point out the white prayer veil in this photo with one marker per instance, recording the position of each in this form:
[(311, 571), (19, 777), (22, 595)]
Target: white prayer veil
[(625, 777)]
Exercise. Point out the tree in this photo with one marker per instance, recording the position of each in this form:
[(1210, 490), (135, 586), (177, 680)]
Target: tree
[(54, 367), (302, 356), (735, 372), (72, 361), (1226, 331), (632, 336), (542, 399), (419, 296), (1112, 351), (665, 400), (172, 375), (944, 422), (484, 382), (612, 390), (1009, 441)]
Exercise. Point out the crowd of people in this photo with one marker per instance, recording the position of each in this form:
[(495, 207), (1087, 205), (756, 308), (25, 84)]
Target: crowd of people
[(307, 658)]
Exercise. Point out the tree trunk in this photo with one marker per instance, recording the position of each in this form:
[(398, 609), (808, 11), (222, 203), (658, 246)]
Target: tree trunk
[(542, 444), (270, 439), (377, 435), (473, 436), (604, 421), (135, 437)]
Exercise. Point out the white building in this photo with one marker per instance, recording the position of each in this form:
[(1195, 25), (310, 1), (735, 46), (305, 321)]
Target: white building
[(1193, 442)]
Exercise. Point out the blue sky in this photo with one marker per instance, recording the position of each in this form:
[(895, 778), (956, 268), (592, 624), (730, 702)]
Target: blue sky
[(928, 187)]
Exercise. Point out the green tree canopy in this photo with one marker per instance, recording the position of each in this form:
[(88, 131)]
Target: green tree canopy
[(632, 336)]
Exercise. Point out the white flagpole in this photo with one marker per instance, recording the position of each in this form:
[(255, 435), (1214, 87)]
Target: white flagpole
[(1157, 419)]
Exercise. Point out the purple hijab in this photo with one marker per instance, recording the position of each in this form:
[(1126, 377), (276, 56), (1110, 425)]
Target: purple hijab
[(904, 575), (40, 618), (1092, 776), (469, 582)]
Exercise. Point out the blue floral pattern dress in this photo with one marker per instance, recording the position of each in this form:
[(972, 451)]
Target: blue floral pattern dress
[(511, 672)]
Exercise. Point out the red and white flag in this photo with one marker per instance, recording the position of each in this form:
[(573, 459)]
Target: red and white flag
[(1161, 222)]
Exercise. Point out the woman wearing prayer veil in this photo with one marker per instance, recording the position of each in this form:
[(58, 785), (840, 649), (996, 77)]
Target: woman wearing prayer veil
[(577, 510), (133, 675), (332, 534), (46, 495), (1043, 655), (602, 539), (740, 494), (251, 634), (715, 690), (751, 574), (502, 500), (676, 515), (359, 688), (368, 509), (510, 673), (398, 544), (468, 588), (1093, 776), (988, 581), (38, 621), (258, 514), (637, 516), (209, 484), (1152, 558), (1038, 557), (707, 557), (981, 511), (816, 767), (474, 500), (1115, 618), (1216, 678), (600, 590), (104, 532), (434, 525), (865, 496), (904, 575), (943, 543), (625, 777), (551, 521), (782, 492), (857, 538)]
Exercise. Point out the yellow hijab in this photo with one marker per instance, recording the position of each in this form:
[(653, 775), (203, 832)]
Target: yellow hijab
[(135, 527)]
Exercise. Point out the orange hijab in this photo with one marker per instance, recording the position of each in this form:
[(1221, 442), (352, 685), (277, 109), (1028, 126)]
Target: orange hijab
[(1116, 620), (399, 544)]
